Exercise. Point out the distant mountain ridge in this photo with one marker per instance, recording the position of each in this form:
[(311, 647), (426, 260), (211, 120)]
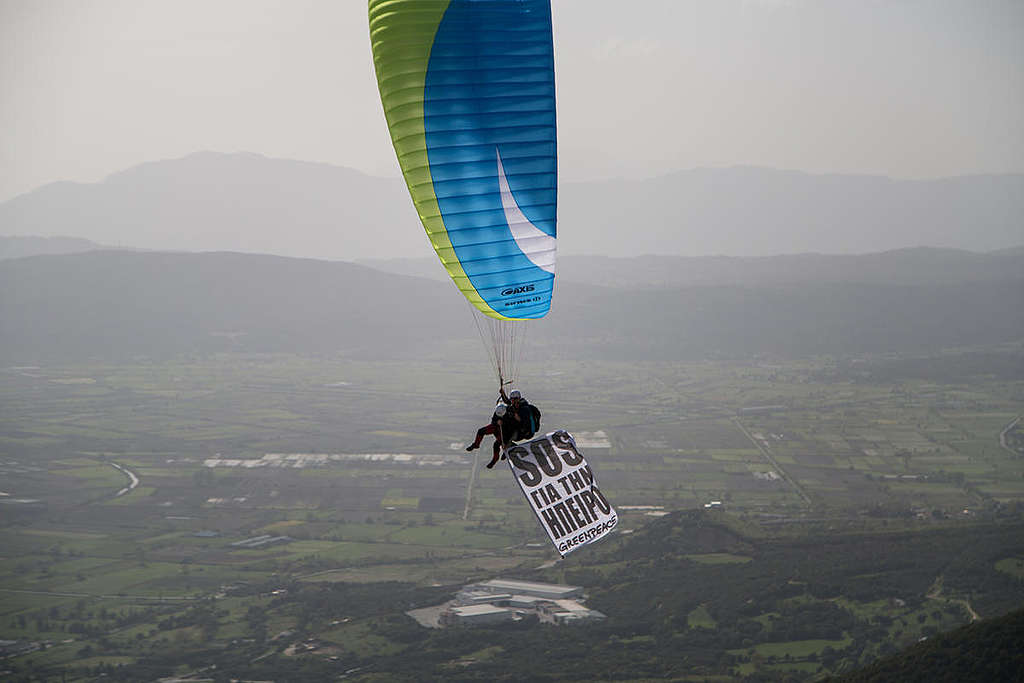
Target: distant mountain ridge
[(224, 202), (17, 246), (752, 211), (914, 266), (247, 202), (113, 304)]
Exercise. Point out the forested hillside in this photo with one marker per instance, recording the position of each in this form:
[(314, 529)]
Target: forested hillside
[(989, 650)]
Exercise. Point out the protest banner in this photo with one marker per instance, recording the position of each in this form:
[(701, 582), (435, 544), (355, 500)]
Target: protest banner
[(560, 488)]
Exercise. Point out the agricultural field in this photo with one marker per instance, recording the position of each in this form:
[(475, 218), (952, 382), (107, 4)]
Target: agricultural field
[(127, 489)]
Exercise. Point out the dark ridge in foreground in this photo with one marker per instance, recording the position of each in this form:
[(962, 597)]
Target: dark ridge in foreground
[(990, 650)]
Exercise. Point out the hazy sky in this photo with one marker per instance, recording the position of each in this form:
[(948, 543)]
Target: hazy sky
[(907, 88)]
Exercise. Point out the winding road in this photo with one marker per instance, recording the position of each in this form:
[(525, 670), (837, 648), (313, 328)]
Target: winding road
[(1006, 430), (935, 593), (133, 481)]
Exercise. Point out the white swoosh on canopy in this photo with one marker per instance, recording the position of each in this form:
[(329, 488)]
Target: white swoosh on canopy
[(536, 245)]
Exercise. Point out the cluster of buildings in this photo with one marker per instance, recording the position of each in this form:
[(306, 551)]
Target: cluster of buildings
[(501, 600)]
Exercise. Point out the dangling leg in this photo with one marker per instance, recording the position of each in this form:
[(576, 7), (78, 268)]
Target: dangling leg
[(497, 446), (496, 451), (480, 433)]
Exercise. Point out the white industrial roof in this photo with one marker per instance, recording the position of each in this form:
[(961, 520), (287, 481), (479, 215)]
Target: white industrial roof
[(475, 610), (513, 586), (571, 606)]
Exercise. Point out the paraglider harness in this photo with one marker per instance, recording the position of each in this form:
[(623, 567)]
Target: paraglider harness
[(529, 415), (533, 421), (528, 419)]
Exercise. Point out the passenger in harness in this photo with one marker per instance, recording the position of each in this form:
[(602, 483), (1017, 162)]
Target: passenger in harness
[(514, 419), (500, 427)]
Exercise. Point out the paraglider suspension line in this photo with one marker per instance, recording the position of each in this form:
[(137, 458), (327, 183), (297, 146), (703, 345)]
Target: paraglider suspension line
[(503, 342)]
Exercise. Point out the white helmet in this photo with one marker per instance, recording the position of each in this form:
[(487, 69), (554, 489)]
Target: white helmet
[(514, 394), (500, 409)]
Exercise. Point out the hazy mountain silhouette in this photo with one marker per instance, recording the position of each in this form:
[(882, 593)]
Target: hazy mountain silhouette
[(914, 266), (749, 211), (18, 246), (236, 202), (247, 202), (111, 303), (121, 303)]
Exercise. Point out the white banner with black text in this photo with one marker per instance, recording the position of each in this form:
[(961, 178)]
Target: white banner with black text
[(559, 485)]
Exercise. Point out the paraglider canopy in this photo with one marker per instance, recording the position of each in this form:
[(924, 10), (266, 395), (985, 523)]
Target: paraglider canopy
[(469, 95)]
